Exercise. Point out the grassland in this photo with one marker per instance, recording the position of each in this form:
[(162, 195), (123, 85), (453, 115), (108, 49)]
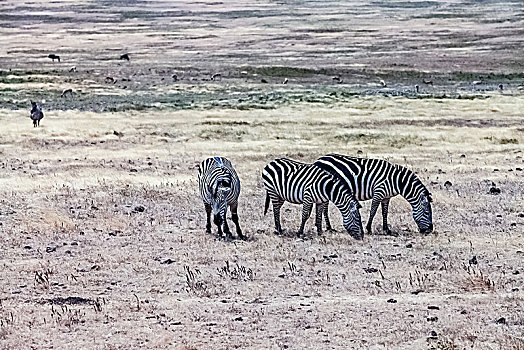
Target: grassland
[(101, 228)]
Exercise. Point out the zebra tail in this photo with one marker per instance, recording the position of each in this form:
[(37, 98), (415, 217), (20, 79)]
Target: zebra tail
[(267, 203)]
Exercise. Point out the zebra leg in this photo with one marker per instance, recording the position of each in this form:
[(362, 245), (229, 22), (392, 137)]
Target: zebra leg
[(208, 214), (318, 217), (385, 206), (234, 216), (277, 204), (226, 228), (218, 222), (306, 213), (374, 206), (326, 217)]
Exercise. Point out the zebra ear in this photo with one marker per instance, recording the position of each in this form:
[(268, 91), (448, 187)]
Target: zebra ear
[(359, 206)]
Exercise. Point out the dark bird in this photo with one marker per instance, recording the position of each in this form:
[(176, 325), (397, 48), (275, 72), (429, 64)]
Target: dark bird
[(125, 57), (36, 114), (54, 57)]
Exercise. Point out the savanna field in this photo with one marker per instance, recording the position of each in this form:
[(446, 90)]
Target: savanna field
[(102, 228)]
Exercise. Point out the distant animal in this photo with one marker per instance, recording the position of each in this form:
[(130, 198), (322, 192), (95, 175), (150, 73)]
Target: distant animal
[(337, 79), (379, 180), (417, 89), (110, 80), (219, 188), (285, 81), (476, 82), (36, 114), (54, 57), (67, 92), (125, 57), (216, 76), (72, 69), (175, 77), (427, 81), (263, 81), (300, 183), (501, 87), (383, 83)]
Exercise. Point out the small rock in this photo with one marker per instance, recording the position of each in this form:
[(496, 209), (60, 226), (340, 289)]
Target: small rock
[(462, 156), (50, 249), (133, 170), (463, 312), (448, 184), (433, 307), (370, 269), (432, 319), (433, 334), (392, 301), (521, 215), (239, 318), (518, 169), (27, 247), (494, 191), (501, 320), (473, 260), (409, 245), (139, 209), (167, 262), (516, 272)]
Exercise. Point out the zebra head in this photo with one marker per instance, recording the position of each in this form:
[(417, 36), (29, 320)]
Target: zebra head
[(422, 213), (221, 191), (349, 207)]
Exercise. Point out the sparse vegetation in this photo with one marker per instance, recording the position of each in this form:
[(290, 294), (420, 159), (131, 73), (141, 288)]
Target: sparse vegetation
[(101, 226)]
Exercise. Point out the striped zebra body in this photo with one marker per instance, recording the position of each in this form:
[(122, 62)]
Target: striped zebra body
[(219, 188), (380, 180), (300, 183)]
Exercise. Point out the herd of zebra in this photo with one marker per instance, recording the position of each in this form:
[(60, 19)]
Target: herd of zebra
[(341, 179)]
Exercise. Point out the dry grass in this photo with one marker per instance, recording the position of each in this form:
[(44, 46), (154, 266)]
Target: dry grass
[(101, 228), (71, 228)]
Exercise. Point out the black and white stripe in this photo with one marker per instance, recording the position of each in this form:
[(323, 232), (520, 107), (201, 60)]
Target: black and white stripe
[(219, 187), (380, 180), (300, 183)]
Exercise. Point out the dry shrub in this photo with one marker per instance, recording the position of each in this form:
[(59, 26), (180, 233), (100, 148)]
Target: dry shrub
[(46, 220)]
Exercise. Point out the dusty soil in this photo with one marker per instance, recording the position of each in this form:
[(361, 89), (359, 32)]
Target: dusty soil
[(101, 227)]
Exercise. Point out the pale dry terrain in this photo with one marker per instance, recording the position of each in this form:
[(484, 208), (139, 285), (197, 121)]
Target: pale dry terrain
[(102, 242), (72, 228)]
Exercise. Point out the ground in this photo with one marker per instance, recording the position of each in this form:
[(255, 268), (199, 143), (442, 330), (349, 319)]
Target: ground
[(102, 231)]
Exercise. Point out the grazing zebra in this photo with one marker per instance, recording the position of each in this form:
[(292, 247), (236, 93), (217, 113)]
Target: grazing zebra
[(300, 183), (36, 114), (219, 187), (380, 180)]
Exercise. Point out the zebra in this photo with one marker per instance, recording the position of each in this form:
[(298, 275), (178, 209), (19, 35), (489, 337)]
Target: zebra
[(219, 187), (380, 180), (36, 114), (300, 183)]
